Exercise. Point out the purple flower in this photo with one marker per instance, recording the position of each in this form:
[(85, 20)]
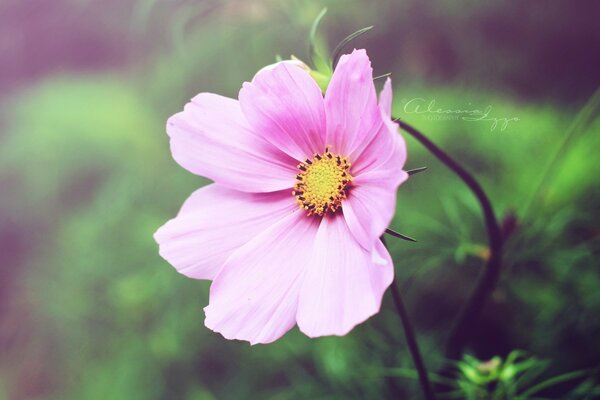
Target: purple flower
[(305, 185)]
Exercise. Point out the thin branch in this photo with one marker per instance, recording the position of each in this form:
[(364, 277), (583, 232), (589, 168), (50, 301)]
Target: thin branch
[(399, 235), (382, 76), (416, 170), (411, 341), (471, 311), (337, 52)]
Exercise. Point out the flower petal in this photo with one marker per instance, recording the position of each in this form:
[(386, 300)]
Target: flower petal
[(255, 296), (353, 116), (285, 106), (371, 205), (371, 202), (343, 285), (387, 149), (385, 99), (215, 221), (212, 138), (378, 172)]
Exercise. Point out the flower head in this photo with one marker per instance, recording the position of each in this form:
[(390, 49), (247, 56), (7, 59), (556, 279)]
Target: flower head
[(304, 186)]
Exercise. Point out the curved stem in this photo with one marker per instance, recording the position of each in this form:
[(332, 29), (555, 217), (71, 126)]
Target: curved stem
[(472, 309), (412, 343)]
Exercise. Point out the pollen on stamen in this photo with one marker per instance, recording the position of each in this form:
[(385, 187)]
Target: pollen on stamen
[(322, 182)]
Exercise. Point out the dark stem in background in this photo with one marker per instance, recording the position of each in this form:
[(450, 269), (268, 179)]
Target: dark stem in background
[(411, 341), (460, 334)]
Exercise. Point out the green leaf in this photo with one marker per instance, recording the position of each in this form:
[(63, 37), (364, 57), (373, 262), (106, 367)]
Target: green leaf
[(583, 123), (553, 381), (313, 55)]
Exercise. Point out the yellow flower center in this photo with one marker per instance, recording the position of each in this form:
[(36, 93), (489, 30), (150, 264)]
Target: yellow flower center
[(321, 183)]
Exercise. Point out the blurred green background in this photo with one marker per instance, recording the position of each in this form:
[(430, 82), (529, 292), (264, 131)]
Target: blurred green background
[(88, 310)]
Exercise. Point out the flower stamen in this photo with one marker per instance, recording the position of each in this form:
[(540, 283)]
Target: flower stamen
[(321, 183)]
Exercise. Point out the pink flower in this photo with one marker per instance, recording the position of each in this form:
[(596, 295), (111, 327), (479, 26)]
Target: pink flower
[(304, 187)]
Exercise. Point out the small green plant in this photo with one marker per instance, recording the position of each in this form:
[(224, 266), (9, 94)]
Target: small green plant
[(515, 377)]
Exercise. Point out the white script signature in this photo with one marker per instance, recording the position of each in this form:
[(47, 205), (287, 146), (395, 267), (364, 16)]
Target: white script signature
[(419, 105)]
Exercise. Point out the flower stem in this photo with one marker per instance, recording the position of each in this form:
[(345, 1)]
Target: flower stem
[(411, 341), (470, 312)]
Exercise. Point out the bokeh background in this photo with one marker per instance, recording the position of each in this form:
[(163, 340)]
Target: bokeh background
[(88, 310)]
